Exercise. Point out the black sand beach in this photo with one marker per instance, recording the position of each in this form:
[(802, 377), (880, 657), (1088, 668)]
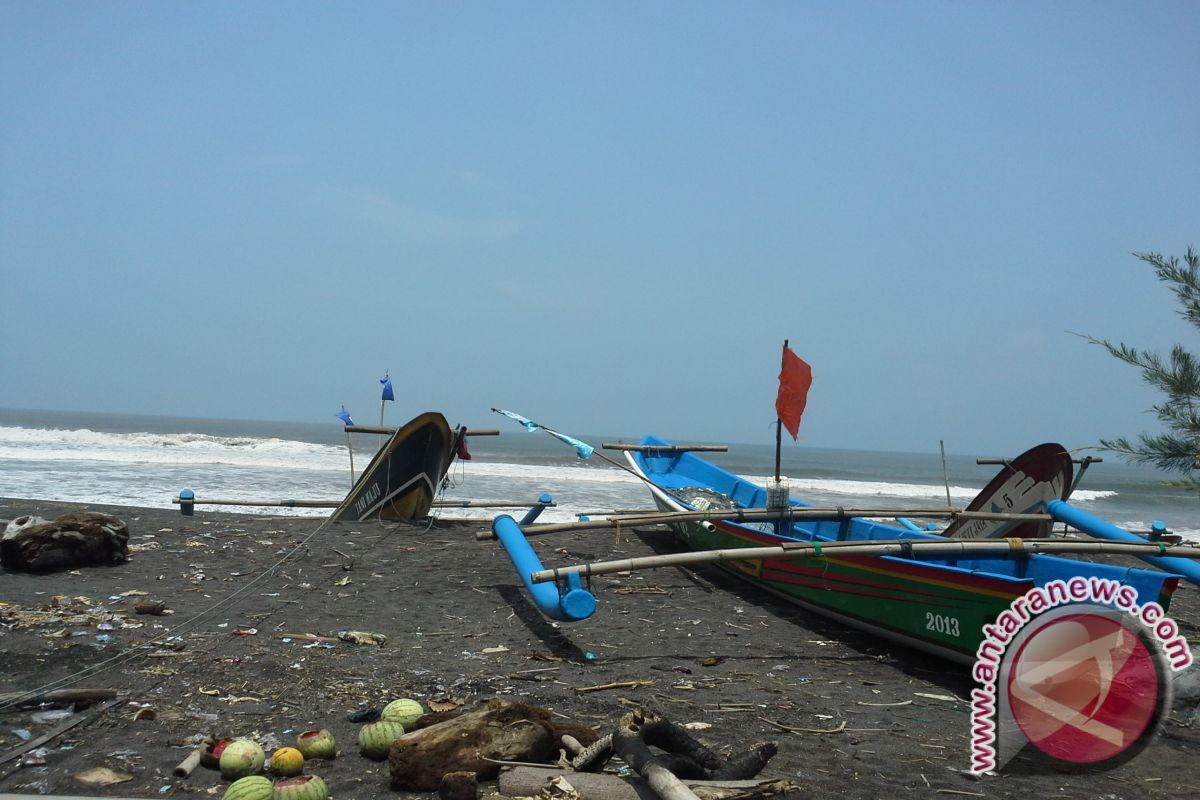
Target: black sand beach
[(852, 716)]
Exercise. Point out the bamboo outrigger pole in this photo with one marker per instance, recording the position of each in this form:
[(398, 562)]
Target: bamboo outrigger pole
[(672, 448), (901, 547), (765, 514), (336, 503), (388, 430)]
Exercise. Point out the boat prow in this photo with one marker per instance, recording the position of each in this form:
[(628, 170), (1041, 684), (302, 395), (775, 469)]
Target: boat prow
[(1026, 485), (402, 479)]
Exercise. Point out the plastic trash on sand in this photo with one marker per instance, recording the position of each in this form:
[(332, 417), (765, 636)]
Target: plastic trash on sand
[(362, 637)]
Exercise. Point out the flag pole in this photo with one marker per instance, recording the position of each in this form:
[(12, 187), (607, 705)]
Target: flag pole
[(779, 419), (349, 446), (386, 395)]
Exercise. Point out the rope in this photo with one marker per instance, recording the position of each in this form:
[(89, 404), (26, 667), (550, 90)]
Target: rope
[(178, 630), (187, 625)]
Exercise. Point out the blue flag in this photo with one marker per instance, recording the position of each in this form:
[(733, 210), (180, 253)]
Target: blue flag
[(582, 448), (529, 424), (387, 388), (344, 416)]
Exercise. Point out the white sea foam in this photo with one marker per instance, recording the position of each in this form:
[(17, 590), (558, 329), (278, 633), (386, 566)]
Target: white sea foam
[(148, 469), (36, 445)]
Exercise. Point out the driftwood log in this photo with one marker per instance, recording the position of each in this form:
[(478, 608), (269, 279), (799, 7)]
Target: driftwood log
[(684, 757), (496, 730), (531, 781), (75, 539), (629, 743), (81, 698)]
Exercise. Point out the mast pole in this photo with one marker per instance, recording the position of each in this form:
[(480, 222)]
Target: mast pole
[(778, 419)]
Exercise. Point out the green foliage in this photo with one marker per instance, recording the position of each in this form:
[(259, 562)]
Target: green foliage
[(1178, 377)]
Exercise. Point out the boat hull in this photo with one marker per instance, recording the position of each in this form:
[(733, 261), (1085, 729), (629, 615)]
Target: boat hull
[(402, 479), (937, 605)]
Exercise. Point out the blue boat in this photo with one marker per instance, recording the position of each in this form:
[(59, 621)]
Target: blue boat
[(937, 604)]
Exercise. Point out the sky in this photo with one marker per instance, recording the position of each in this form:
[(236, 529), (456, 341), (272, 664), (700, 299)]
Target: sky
[(605, 216)]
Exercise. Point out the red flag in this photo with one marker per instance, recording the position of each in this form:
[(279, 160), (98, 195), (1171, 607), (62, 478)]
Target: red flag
[(795, 378), (460, 444)]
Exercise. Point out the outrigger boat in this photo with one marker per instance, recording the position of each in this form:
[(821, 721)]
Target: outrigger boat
[(932, 591), (401, 481), (932, 602)]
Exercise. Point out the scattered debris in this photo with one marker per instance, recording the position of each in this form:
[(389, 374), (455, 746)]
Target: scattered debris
[(362, 637), (636, 684), (102, 776)]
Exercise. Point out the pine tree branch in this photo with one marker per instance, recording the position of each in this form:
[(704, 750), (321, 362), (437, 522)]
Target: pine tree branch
[(1178, 377)]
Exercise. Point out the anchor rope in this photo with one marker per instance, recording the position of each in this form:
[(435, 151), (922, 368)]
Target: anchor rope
[(172, 633)]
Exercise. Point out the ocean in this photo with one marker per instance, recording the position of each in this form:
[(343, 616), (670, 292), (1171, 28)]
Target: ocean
[(146, 460)]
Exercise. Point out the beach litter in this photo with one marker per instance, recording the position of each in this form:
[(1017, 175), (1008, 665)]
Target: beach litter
[(102, 776), (362, 637)]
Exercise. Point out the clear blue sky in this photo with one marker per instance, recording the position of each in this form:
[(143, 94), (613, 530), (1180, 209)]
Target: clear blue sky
[(605, 216)]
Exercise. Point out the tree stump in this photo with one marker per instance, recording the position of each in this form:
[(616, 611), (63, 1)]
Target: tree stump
[(495, 731), (76, 539)]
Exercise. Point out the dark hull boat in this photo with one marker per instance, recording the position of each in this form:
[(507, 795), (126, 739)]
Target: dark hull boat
[(403, 477)]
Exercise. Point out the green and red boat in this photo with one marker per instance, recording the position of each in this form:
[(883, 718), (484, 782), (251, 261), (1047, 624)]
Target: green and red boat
[(936, 603)]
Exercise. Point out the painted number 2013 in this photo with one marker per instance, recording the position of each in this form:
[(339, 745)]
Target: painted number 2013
[(941, 623)]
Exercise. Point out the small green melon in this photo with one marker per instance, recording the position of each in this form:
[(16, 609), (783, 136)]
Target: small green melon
[(302, 787), (404, 711), (375, 739), (317, 744), (240, 758), (252, 787)]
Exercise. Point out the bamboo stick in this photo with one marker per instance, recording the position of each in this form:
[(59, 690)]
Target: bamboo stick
[(186, 767), (56, 696), (491, 504), (530, 781), (388, 430), (990, 461), (336, 503), (760, 514), (670, 448), (817, 514), (289, 503), (900, 547)]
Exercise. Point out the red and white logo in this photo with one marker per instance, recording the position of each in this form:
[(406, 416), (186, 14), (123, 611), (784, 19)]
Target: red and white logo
[(1084, 686), (1077, 672)]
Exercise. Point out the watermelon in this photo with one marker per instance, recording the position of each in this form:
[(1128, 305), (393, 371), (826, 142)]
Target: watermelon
[(241, 757), (302, 787), (252, 787), (317, 744), (404, 711), (375, 739), (211, 755)]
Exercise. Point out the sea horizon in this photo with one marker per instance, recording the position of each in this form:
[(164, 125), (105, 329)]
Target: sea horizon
[(146, 459)]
